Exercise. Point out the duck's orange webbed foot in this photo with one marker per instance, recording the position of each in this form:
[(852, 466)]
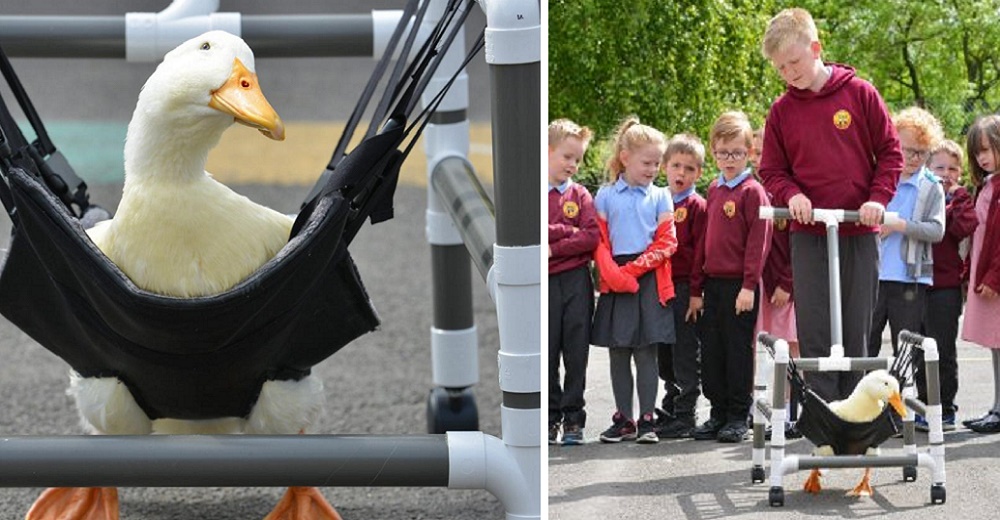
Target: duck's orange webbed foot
[(812, 483), (303, 503), (75, 504)]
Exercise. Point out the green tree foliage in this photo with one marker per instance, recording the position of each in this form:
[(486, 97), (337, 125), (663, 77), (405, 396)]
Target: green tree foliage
[(677, 65)]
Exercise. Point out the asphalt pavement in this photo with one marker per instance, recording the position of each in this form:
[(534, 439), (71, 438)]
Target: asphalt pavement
[(376, 385), (703, 480)]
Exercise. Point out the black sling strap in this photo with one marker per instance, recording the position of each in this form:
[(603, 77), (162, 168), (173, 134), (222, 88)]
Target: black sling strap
[(40, 157)]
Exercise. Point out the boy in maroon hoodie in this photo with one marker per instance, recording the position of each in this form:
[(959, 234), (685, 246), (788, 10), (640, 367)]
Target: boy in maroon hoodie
[(731, 256), (573, 236), (830, 143)]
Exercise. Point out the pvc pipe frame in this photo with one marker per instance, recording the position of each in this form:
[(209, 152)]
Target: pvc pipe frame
[(509, 469), (782, 464)]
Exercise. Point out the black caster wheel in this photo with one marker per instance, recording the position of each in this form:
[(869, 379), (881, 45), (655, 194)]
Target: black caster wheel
[(756, 474), (909, 473), (938, 495), (451, 409), (776, 496)]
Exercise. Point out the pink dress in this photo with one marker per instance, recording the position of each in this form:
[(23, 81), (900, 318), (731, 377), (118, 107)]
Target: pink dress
[(981, 325), (779, 321)]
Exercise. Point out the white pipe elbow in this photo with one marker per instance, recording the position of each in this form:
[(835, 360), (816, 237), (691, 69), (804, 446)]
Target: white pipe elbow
[(479, 461), (149, 36)]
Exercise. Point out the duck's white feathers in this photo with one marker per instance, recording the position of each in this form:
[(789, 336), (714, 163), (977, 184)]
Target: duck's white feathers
[(192, 239)]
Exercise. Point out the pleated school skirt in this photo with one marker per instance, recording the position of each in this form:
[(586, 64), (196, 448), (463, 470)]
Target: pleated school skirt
[(624, 320)]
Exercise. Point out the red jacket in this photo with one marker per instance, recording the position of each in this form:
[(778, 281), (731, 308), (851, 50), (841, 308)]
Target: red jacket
[(837, 146)]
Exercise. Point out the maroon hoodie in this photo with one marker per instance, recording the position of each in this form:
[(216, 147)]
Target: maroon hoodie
[(837, 146)]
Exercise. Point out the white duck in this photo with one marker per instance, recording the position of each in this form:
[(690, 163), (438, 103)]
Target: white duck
[(178, 232), (871, 395)]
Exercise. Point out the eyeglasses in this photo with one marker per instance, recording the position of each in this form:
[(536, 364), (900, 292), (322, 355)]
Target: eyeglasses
[(723, 155), (913, 153)]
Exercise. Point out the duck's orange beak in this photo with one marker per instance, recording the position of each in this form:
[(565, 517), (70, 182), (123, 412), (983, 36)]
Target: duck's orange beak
[(242, 98), (896, 402)]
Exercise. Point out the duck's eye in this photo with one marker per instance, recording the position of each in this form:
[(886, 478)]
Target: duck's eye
[(206, 46)]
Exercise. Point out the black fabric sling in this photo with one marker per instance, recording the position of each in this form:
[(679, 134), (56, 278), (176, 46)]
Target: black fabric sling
[(206, 357)]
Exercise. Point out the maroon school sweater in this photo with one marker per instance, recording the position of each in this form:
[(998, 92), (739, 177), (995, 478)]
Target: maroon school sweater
[(837, 146), (573, 209), (959, 222), (689, 222), (736, 238), (778, 267)]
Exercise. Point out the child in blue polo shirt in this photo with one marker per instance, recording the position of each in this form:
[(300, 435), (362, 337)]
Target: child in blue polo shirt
[(634, 315), (906, 267)]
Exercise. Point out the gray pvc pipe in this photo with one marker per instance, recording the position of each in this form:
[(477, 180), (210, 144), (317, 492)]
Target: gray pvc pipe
[(224, 460), (470, 208), (270, 36), (858, 461)]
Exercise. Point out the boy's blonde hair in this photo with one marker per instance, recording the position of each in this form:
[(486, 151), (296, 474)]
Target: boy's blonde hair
[(687, 144), (631, 134), (988, 125), (949, 147), (731, 125), (925, 126), (560, 129), (793, 25)]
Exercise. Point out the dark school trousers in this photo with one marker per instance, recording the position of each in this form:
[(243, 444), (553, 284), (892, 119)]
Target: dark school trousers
[(859, 260), (942, 307), (901, 305), (727, 349), (571, 308), (680, 364)]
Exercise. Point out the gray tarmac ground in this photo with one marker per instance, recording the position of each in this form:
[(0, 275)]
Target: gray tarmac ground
[(702, 480), (377, 385)]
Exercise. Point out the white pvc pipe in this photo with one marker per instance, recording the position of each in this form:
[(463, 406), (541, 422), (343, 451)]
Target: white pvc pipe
[(480, 461), (513, 31), (149, 36)]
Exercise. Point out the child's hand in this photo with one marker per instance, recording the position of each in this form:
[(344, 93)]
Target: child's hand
[(695, 305), (744, 301), (801, 208), (780, 297), (986, 292)]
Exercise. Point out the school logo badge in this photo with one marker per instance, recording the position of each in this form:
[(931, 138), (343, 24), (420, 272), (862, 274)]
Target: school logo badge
[(570, 209), (729, 208), (842, 119), (680, 215), (781, 224)]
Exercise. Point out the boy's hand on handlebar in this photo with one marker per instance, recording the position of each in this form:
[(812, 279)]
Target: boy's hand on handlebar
[(871, 213), (801, 209)]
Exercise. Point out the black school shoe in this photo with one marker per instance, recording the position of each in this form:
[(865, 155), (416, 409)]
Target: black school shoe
[(969, 422), (989, 424), (734, 431), (681, 427), (709, 430)]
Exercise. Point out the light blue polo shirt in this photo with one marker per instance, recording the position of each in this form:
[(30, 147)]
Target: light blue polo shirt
[(562, 187), (893, 267), (632, 212), (736, 180), (682, 196)]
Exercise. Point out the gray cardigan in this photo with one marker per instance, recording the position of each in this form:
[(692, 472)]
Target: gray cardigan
[(926, 225)]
